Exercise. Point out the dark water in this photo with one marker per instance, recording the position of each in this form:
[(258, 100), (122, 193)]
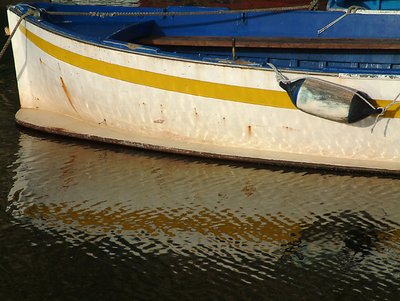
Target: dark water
[(83, 221)]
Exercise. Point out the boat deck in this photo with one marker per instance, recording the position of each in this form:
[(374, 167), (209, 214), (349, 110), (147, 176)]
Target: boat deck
[(273, 43)]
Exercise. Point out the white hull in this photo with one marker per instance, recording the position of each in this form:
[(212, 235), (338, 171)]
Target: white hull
[(238, 112)]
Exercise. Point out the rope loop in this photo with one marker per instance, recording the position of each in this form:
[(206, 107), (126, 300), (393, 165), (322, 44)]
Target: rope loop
[(383, 111), (280, 78)]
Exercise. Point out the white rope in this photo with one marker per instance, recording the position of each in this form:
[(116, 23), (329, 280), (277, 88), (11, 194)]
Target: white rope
[(394, 101), (279, 76), (3, 50), (350, 10)]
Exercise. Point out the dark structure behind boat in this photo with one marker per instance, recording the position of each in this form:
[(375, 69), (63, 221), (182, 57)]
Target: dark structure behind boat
[(330, 101)]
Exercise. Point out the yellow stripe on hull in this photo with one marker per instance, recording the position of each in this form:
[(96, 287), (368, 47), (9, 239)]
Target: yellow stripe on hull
[(278, 99), (164, 82)]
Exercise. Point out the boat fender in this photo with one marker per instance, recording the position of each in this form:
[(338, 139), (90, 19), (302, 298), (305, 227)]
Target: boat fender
[(328, 100)]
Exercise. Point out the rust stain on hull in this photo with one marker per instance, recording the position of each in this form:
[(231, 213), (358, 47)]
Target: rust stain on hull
[(63, 85)]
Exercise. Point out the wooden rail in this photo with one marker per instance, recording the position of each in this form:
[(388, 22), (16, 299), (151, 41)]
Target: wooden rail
[(281, 43)]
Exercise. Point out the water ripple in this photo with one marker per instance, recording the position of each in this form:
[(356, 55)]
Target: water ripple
[(83, 221), (246, 225)]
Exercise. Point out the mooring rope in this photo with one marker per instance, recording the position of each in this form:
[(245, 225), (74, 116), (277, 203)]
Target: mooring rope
[(3, 50), (314, 5), (166, 13), (350, 10)]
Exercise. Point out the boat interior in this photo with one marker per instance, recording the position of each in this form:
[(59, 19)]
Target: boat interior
[(314, 41)]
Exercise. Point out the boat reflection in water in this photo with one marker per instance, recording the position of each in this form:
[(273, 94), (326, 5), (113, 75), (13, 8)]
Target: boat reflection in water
[(248, 220)]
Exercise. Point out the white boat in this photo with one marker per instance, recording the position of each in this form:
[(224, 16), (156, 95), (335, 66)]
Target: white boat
[(208, 81)]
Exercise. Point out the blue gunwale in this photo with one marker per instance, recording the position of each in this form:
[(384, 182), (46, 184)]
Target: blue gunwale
[(370, 4), (103, 31)]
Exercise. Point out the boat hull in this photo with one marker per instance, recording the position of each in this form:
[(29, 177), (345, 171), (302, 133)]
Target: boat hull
[(147, 100)]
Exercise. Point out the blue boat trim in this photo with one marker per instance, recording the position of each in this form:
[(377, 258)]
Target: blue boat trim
[(121, 32), (369, 4)]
